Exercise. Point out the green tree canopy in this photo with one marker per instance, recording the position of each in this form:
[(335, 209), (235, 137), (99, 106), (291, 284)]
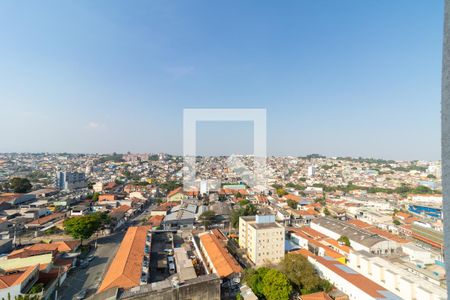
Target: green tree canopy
[(267, 283), (246, 210), (344, 239), (301, 273), (275, 285), (95, 196), (20, 185), (281, 192), (254, 279), (84, 226), (292, 204), (207, 217)]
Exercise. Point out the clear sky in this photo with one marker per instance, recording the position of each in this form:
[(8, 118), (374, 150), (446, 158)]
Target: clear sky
[(337, 77)]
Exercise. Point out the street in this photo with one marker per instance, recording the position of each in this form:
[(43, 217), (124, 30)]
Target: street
[(91, 277)]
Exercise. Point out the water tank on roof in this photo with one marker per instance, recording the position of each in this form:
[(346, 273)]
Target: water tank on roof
[(265, 219)]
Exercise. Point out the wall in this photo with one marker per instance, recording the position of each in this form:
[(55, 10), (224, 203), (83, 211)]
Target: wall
[(208, 288)]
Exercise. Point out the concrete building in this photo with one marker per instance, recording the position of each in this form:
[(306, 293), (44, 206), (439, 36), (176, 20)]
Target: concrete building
[(70, 180), (262, 238), (311, 171), (347, 280), (360, 239), (396, 277), (98, 187)]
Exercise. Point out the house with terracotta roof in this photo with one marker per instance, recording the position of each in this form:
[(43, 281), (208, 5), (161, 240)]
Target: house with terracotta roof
[(155, 221), (127, 268), (18, 282), (314, 245), (45, 221), (107, 198), (119, 215), (218, 259), (316, 296), (42, 248), (176, 195)]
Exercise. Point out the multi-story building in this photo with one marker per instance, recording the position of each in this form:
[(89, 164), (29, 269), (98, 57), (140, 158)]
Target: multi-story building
[(70, 180), (262, 238)]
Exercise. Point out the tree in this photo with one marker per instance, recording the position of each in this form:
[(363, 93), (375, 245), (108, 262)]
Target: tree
[(254, 279), (422, 190), (37, 288), (431, 176), (207, 218), (292, 204), (281, 192), (397, 222), (276, 285), (83, 227), (301, 273), (326, 212), (95, 196), (344, 239), (20, 185), (247, 210)]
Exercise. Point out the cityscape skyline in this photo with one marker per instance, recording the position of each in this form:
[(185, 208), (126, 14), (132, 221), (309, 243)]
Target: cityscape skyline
[(333, 78)]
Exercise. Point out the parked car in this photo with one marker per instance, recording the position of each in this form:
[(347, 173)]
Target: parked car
[(84, 264), (81, 295)]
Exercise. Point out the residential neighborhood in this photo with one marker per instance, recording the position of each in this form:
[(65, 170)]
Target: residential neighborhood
[(122, 226)]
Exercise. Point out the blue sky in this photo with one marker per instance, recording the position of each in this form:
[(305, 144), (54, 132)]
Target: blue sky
[(340, 78)]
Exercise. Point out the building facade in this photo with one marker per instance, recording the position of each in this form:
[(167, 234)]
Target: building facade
[(262, 238), (70, 180)]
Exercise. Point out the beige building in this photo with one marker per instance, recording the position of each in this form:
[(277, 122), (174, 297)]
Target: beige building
[(262, 238)]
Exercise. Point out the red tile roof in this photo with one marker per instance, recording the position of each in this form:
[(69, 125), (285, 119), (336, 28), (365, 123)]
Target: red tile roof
[(174, 192), (215, 249), (15, 278), (125, 270)]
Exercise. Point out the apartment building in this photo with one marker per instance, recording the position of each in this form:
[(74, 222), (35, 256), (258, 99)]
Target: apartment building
[(262, 238), (70, 180)]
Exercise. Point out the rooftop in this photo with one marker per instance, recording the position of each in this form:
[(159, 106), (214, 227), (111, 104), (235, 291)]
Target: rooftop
[(354, 233), (222, 260), (125, 269)]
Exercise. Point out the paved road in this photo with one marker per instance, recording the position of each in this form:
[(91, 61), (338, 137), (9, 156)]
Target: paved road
[(91, 277)]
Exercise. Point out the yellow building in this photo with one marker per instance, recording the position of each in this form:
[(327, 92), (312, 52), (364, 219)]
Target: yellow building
[(262, 239), (176, 195)]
